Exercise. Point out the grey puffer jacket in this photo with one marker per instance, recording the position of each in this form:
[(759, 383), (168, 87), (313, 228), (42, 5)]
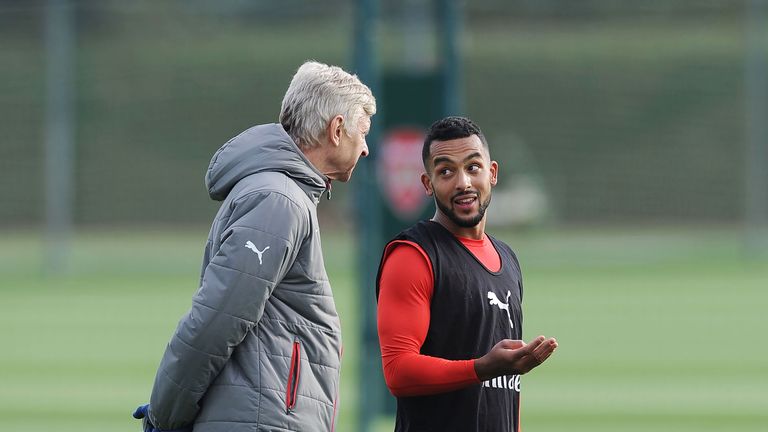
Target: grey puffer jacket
[(260, 348)]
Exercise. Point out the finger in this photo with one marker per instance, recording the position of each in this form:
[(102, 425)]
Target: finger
[(532, 345), (512, 344), (544, 350), (553, 343), (140, 412)]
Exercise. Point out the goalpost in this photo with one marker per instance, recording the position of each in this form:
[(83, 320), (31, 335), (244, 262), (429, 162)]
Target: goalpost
[(59, 134), (756, 163)]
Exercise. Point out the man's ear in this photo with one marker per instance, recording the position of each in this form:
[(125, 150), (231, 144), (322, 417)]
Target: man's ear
[(427, 183), (494, 173), (335, 129)]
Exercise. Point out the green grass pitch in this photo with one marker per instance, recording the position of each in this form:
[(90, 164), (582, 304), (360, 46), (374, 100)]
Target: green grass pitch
[(659, 329)]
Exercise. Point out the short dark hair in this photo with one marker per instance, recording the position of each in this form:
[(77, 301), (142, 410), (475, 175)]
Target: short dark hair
[(449, 128)]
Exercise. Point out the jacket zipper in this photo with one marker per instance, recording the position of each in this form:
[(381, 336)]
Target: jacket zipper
[(293, 377)]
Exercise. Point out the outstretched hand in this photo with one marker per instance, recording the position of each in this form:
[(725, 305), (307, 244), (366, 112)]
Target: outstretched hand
[(514, 357)]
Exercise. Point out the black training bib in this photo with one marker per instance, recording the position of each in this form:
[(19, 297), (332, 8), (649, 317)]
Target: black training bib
[(472, 309)]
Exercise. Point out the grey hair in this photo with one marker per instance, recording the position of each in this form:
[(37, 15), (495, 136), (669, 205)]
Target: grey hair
[(317, 93)]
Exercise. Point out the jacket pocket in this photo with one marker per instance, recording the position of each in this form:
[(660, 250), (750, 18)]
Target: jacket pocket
[(294, 368)]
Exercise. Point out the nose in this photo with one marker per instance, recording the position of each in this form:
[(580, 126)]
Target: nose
[(365, 149), (463, 181)]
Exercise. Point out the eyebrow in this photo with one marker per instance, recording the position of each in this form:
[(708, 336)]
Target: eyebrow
[(440, 159)]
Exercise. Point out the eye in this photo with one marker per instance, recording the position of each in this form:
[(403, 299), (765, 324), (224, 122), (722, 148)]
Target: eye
[(444, 171), (473, 168)]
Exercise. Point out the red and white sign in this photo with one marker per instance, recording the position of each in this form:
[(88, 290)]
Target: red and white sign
[(399, 169)]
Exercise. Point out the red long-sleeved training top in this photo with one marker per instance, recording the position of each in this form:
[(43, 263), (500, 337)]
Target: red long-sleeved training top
[(405, 294)]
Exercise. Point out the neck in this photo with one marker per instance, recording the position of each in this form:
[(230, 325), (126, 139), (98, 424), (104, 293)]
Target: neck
[(319, 158), (476, 232)]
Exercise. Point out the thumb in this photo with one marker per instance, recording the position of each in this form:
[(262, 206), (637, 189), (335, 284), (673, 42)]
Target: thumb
[(511, 344), (141, 411), (530, 347)]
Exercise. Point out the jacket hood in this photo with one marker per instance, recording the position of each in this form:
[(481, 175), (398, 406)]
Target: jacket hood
[(261, 148)]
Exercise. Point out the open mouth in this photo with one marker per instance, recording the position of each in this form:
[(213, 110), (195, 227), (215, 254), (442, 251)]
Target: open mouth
[(464, 201)]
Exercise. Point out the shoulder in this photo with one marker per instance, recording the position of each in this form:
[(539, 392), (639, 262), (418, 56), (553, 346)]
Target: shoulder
[(274, 185), (406, 251), (405, 266), (425, 233), (270, 201), (505, 249)]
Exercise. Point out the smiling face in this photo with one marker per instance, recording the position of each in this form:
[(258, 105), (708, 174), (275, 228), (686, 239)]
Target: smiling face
[(460, 176)]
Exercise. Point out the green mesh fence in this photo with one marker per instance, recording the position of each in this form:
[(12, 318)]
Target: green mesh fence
[(608, 111)]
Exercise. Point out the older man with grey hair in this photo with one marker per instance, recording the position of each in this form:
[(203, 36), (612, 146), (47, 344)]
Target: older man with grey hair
[(260, 348)]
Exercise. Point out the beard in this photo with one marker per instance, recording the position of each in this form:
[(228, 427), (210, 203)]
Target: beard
[(469, 222)]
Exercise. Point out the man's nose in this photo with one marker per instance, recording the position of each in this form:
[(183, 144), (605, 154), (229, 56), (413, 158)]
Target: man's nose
[(365, 149), (463, 181)]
